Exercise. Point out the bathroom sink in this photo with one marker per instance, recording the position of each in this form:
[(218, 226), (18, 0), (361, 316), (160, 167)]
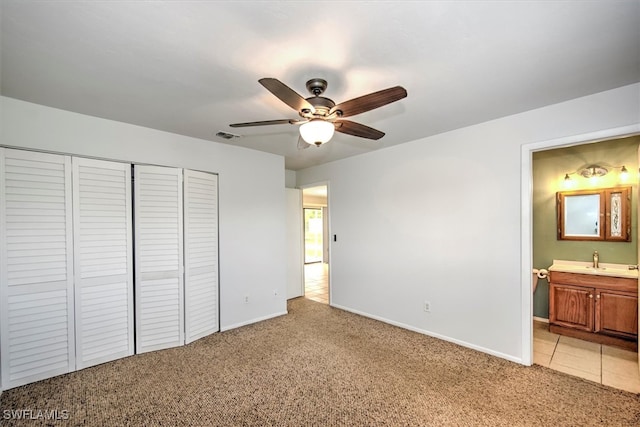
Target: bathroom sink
[(604, 269)]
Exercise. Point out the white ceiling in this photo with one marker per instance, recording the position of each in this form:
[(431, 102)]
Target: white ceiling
[(192, 67)]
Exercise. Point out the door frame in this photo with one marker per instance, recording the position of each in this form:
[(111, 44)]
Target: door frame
[(329, 260), (295, 260), (526, 218)]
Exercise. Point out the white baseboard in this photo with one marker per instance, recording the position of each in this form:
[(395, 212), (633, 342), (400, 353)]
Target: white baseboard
[(540, 319), (249, 322), (434, 335)]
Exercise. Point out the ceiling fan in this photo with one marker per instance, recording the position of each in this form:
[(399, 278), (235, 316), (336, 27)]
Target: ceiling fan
[(320, 116)]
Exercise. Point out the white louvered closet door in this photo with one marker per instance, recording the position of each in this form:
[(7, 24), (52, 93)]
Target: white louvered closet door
[(200, 254), (103, 261), (158, 253), (36, 267)]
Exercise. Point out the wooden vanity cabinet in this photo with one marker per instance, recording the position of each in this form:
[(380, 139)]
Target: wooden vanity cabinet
[(597, 308)]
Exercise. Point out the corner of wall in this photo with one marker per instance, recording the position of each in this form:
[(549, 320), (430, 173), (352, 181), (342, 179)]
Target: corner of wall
[(290, 178)]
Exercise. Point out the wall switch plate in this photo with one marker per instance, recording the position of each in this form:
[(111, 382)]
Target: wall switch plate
[(427, 306), (246, 299)]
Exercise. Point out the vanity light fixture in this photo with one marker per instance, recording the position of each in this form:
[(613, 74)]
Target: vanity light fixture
[(593, 172)]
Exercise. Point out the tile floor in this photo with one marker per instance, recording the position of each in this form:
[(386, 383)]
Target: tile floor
[(603, 364), (316, 282)]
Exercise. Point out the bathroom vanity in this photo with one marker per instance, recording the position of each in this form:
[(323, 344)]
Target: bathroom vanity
[(594, 304)]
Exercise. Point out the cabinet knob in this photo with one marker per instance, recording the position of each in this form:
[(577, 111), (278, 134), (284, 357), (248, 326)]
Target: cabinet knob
[(598, 296), (590, 295)]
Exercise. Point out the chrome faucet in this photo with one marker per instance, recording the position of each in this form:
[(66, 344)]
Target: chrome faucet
[(596, 259)]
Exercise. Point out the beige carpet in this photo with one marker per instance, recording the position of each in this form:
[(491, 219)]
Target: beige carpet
[(320, 366)]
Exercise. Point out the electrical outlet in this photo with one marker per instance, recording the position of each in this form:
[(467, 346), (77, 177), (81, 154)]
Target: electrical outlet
[(275, 292), (246, 299), (427, 306)]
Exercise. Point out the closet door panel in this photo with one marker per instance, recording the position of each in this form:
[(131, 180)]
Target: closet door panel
[(36, 267), (103, 261), (201, 254), (159, 255)]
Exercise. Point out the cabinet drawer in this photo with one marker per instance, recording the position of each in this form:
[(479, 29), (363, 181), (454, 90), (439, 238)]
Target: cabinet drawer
[(590, 280)]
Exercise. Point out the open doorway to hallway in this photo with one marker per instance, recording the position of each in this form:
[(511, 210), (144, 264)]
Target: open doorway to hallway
[(316, 243)]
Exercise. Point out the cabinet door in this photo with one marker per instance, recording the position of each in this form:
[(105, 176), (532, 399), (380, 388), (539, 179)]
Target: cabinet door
[(36, 267), (158, 254), (200, 254), (103, 261), (618, 214), (617, 314), (571, 306)]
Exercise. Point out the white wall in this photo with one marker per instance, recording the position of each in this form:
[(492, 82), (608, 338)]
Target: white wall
[(251, 193), (439, 220), (290, 178)]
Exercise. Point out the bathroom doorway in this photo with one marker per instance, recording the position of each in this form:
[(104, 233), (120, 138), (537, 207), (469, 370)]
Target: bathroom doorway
[(598, 363), (315, 204)]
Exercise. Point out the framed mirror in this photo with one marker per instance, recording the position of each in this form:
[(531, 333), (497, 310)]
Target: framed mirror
[(598, 214), (583, 215)]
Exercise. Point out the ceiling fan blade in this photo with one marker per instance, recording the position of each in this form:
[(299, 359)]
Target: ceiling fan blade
[(263, 123), (357, 129), (286, 94), (370, 101)]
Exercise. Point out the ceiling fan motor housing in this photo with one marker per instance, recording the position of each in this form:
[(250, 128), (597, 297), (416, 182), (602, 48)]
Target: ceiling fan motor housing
[(317, 86), (322, 106)]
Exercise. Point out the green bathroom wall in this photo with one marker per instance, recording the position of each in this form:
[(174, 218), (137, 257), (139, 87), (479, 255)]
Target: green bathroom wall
[(549, 169)]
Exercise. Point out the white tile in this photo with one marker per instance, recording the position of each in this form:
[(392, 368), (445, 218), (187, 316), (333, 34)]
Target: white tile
[(578, 347), (586, 363), (544, 347), (620, 362), (541, 359), (619, 353), (621, 382), (576, 372)]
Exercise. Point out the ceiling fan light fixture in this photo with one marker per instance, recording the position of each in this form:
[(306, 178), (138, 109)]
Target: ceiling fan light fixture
[(317, 131)]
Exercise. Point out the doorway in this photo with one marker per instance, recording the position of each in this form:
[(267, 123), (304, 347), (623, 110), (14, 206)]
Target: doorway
[(313, 235), (316, 243), (575, 357)]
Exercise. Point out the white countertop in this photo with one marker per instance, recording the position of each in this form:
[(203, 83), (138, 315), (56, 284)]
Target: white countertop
[(604, 269)]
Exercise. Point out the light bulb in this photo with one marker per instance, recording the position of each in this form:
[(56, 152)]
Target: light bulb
[(624, 174), (568, 182), (317, 131)]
